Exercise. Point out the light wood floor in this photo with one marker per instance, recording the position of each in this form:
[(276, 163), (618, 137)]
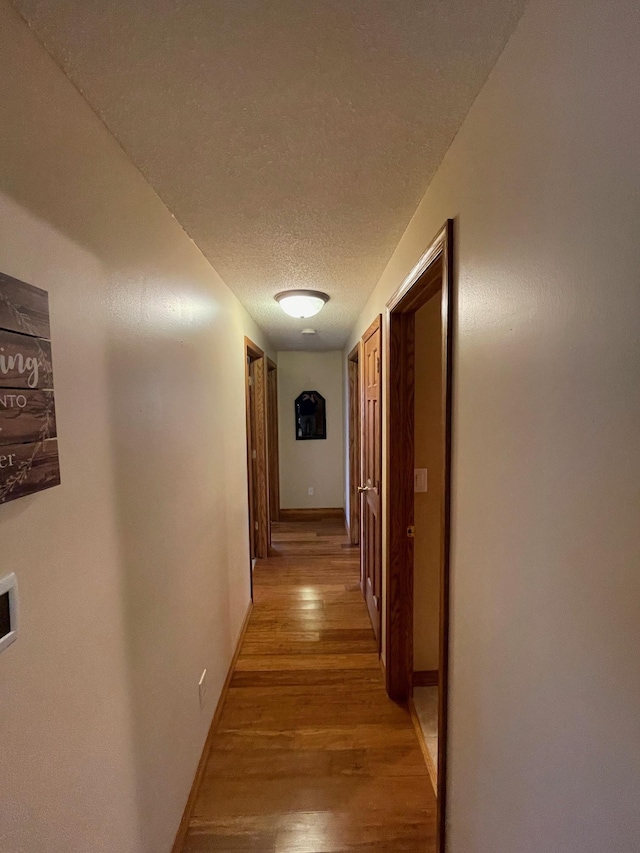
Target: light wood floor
[(310, 755)]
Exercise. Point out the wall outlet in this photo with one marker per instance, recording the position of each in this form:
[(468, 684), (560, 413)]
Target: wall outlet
[(202, 688), (310, 490)]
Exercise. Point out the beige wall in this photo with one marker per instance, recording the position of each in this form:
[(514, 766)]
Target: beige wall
[(133, 574), (310, 463), (543, 182), (427, 514)]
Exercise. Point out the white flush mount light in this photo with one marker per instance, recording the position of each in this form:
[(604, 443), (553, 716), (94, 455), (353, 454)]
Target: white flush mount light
[(301, 303)]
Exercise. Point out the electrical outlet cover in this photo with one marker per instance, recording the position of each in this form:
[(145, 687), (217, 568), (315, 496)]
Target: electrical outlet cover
[(420, 480)]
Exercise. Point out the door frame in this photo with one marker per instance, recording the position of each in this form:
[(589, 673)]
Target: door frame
[(354, 443), (273, 459), (257, 475), (432, 274)]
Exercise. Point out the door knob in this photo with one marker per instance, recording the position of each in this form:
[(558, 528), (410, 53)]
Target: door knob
[(363, 489)]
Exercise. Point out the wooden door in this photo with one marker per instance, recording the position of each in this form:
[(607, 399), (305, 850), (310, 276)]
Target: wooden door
[(256, 390), (371, 486)]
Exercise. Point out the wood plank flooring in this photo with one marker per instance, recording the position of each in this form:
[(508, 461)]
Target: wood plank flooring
[(310, 755)]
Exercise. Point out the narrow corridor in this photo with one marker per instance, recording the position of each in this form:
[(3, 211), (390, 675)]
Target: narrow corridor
[(310, 755)]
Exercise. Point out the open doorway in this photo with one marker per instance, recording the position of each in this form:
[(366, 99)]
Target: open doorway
[(418, 500), (428, 467)]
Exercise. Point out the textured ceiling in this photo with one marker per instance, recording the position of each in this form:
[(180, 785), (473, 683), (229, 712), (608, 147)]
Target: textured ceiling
[(292, 139)]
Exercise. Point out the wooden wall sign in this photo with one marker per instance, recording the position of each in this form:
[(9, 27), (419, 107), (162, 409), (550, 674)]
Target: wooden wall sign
[(28, 443)]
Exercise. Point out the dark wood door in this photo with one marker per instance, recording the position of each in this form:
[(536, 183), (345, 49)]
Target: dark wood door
[(370, 488), (256, 390)]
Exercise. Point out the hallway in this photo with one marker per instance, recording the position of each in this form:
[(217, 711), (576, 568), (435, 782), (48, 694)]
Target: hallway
[(310, 755)]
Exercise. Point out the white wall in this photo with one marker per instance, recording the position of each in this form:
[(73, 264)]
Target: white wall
[(543, 180), (310, 463), (133, 573)]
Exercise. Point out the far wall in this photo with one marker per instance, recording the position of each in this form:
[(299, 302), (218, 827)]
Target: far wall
[(316, 464)]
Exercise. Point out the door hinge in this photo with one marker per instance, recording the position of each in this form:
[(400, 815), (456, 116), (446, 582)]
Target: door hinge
[(411, 532), (254, 454), (250, 381), (255, 524)]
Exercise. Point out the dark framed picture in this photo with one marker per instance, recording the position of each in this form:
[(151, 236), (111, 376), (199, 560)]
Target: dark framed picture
[(311, 416)]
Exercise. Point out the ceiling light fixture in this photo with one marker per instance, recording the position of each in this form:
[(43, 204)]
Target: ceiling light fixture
[(301, 303)]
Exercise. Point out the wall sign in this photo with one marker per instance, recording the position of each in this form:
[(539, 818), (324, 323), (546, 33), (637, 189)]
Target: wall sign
[(28, 443), (311, 416)]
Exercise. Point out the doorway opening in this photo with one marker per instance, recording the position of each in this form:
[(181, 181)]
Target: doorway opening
[(418, 494)]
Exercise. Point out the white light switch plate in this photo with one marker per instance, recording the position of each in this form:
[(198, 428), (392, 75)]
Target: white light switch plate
[(420, 480)]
